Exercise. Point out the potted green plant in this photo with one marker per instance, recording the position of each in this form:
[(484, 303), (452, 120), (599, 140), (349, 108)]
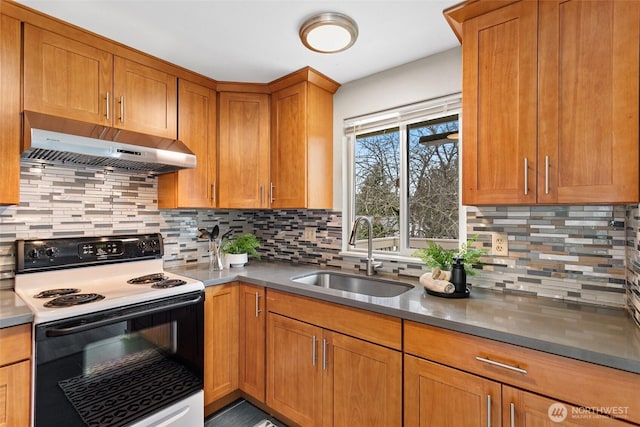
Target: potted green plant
[(237, 250), (435, 256)]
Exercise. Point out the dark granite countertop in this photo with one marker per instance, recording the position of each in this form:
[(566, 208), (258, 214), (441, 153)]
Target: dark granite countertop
[(600, 335)]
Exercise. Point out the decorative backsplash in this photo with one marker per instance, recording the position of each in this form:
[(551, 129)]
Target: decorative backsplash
[(574, 253)]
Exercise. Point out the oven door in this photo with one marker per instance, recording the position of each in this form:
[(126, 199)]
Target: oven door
[(120, 366)]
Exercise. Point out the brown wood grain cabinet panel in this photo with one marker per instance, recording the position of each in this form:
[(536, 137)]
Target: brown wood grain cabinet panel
[(10, 66), (362, 382), (221, 342), (437, 395), (294, 370), (531, 410), (243, 150), (16, 344), (252, 359), (550, 101), (193, 188), (15, 394), (302, 146), (499, 106), (145, 99), (366, 325), (67, 78), (588, 101), (546, 374)]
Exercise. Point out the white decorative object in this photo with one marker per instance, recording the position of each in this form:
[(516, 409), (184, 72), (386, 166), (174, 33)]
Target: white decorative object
[(236, 260)]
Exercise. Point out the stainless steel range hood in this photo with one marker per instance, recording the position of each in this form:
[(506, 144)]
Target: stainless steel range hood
[(58, 140)]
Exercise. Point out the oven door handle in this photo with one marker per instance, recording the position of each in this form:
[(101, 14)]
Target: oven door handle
[(58, 332)]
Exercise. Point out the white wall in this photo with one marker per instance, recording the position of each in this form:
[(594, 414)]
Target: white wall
[(430, 77)]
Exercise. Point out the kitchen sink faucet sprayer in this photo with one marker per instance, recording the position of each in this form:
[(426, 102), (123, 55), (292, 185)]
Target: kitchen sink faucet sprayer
[(372, 265)]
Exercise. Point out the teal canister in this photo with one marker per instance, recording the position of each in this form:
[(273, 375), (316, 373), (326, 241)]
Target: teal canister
[(459, 276)]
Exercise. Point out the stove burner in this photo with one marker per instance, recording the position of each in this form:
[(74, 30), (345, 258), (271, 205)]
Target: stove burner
[(50, 293), (75, 299), (168, 283), (149, 278)]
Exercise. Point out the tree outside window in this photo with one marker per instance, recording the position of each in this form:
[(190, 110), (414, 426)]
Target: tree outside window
[(419, 159)]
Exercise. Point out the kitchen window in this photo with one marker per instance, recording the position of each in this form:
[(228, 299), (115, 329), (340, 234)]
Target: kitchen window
[(403, 173)]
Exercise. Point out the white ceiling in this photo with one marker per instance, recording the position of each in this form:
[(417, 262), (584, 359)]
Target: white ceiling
[(257, 40)]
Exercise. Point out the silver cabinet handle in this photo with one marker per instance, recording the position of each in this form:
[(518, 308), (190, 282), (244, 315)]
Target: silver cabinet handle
[(526, 176), (107, 106), (546, 174), (122, 109), (501, 365), (512, 414), (313, 350), (261, 194), (488, 410), (257, 304), (271, 198), (324, 354)]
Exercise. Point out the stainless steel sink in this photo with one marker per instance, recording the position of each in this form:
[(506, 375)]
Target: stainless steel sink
[(353, 283)]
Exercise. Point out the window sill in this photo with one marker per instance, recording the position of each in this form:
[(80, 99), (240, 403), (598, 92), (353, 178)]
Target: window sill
[(383, 257)]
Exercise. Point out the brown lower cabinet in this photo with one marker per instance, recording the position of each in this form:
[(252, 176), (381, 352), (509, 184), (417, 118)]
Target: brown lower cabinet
[(15, 375), (221, 341), (315, 363), (319, 376), (460, 380), (251, 373), (436, 395)]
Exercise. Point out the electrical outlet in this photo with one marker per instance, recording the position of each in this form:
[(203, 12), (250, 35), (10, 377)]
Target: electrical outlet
[(309, 234), (500, 244)]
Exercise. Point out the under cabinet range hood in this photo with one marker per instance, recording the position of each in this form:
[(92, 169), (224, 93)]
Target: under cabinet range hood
[(59, 140)]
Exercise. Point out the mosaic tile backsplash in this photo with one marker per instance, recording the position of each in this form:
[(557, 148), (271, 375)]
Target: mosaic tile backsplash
[(587, 254)]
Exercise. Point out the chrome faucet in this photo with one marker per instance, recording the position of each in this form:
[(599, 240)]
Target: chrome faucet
[(372, 265)]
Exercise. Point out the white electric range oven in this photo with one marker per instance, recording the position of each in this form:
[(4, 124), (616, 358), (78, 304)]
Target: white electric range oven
[(117, 340)]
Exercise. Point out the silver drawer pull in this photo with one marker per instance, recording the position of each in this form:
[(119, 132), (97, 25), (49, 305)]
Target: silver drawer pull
[(501, 365)]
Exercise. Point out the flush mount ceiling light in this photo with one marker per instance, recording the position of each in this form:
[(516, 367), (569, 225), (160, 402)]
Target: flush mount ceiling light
[(329, 32)]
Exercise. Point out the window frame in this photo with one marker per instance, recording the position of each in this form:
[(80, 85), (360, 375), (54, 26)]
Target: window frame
[(401, 118)]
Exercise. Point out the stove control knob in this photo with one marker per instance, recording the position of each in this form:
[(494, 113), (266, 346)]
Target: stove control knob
[(35, 253), (52, 252)]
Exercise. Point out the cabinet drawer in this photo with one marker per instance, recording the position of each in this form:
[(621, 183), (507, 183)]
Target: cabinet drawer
[(565, 379), (15, 344), (373, 327)]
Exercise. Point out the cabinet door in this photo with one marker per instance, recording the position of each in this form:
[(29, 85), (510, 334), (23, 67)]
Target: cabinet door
[(10, 65), (362, 383), (588, 101), (193, 188), (66, 78), (499, 104), (252, 341), (294, 376), (15, 393), (524, 409), (289, 147), (221, 342), (145, 99), (243, 150), (436, 395)]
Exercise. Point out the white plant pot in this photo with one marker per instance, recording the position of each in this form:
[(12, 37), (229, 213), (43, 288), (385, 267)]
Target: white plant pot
[(236, 260)]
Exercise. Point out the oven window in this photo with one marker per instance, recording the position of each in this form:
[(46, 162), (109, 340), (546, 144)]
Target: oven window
[(119, 372)]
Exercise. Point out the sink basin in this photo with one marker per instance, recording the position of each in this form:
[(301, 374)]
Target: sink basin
[(353, 283)]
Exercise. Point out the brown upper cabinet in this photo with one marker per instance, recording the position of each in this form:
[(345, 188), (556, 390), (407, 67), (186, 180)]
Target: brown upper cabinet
[(10, 66), (243, 150), (302, 141), (193, 188), (550, 101), (70, 79)]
